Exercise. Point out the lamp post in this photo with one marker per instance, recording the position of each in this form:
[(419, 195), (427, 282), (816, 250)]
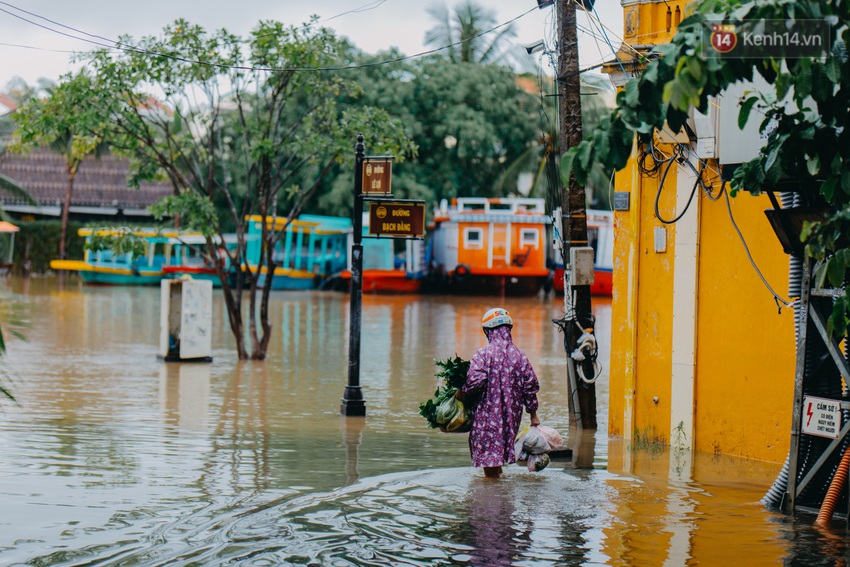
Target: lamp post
[(352, 399)]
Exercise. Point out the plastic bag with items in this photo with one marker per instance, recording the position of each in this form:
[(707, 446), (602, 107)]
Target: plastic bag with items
[(530, 443), (452, 416), (537, 463), (533, 444), (552, 436)]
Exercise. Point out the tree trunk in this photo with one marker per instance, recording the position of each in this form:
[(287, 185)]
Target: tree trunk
[(72, 173)]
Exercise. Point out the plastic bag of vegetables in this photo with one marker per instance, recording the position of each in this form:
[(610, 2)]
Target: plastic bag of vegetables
[(443, 410)]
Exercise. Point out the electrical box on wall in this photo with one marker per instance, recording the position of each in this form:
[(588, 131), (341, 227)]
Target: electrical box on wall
[(581, 265), (736, 146)]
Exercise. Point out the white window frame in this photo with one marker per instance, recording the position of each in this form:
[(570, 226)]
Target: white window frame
[(473, 245), (523, 242)]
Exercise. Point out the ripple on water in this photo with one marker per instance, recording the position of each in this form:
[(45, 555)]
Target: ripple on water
[(436, 517)]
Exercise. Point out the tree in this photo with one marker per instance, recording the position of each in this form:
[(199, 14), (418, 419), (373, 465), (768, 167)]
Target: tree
[(812, 148), (461, 33), (251, 125), (68, 124), (12, 315), (542, 155), (469, 121), (3, 390)]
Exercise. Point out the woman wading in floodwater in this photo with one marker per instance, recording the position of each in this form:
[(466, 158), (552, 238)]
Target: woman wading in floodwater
[(500, 382)]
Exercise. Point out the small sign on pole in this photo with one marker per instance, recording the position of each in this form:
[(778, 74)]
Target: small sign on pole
[(377, 175), (821, 417), (400, 219)]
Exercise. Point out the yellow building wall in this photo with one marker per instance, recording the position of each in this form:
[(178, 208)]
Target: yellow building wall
[(654, 305), (746, 350), (745, 356)]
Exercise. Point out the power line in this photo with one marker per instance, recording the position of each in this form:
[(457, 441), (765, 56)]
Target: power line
[(129, 48), (37, 48)]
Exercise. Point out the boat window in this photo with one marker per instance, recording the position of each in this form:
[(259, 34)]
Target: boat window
[(529, 237), (472, 238)]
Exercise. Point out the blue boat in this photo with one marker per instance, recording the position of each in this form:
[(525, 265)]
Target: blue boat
[(189, 260), (112, 268), (313, 248)]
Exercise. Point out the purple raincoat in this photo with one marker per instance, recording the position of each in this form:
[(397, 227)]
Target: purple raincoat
[(499, 383)]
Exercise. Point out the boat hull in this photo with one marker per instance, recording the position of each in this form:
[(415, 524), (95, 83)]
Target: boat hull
[(108, 275), (602, 284), (506, 282), (387, 282)]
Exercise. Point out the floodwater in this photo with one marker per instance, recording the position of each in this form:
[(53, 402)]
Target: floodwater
[(112, 457)]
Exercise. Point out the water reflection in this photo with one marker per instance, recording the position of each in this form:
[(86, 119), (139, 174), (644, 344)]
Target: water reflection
[(497, 535), (352, 436), (184, 390), (114, 457)]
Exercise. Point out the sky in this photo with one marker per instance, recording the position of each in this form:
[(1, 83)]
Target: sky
[(31, 52)]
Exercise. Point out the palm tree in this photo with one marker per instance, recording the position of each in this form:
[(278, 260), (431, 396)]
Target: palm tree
[(542, 157), (11, 187), (66, 122), (462, 31)]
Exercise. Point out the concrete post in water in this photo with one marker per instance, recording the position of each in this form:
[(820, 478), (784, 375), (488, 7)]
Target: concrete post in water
[(352, 399), (185, 320)]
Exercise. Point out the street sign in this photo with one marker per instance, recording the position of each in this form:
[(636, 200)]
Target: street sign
[(821, 417), (392, 218), (377, 176)]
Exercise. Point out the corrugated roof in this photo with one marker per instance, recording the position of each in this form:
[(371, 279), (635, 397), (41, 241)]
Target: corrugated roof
[(7, 105), (99, 182)]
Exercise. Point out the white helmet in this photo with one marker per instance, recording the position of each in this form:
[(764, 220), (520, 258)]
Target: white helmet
[(496, 317)]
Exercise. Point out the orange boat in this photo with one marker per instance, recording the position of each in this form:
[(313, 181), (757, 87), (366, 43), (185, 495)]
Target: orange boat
[(600, 237), (489, 246), (384, 270)]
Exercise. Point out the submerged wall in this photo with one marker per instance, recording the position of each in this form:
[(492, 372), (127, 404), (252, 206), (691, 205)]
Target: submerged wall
[(700, 355)]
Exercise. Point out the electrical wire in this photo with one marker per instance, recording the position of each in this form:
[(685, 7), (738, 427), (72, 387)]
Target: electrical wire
[(611, 45), (684, 158), (776, 298), (129, 48), (36, 48)]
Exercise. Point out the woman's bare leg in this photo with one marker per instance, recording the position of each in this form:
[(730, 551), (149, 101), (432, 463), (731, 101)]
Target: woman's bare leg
[(492, 472)]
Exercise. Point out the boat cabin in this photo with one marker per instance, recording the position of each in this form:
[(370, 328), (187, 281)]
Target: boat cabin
[(492, 241)]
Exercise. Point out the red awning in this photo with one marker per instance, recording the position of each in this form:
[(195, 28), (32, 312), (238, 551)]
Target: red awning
[(8, 227)]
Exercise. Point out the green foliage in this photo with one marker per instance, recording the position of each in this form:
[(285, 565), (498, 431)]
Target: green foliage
[(243, 126), (809, 146), (14, 189), (470, 122), (36, 244), (197, 210), (462, 29), (69, 123), (121, 241), (453, 371), (14, 320)]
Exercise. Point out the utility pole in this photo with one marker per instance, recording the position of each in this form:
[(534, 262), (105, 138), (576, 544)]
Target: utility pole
[(582, 395)]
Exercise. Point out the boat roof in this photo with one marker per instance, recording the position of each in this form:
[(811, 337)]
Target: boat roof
[(319, 224), (143, 232), (502, 210)]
